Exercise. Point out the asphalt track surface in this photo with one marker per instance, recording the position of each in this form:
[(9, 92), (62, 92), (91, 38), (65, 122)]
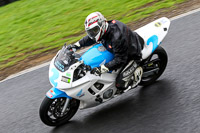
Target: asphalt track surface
[(171, 105)]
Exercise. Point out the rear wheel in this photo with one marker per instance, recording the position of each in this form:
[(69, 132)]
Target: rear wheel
[(154, 66), (52, 113)]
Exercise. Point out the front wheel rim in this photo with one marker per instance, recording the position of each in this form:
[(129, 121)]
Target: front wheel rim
[(54, 111)]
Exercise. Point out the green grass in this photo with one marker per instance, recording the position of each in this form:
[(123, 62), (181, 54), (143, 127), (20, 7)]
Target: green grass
[(29, 27)]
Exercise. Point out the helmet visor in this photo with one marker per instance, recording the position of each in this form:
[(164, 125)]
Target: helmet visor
[(93, 32)]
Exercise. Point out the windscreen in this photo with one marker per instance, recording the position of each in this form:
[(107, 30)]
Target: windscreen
[(64, 59)]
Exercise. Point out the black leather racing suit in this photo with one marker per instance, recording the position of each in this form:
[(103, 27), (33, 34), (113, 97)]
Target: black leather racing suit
[(125, 44)]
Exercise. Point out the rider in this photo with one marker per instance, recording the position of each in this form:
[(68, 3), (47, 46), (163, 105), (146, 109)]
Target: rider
[(117, 38)]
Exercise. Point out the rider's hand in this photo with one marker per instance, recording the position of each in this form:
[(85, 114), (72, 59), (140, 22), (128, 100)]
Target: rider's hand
[(99, 70), (73, 46)]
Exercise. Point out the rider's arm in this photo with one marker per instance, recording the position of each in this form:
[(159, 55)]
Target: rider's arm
[(86, 41), (120, 50)]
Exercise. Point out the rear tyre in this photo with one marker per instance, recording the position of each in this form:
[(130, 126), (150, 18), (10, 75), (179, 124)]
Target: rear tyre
[(51, 111), (154, 66)]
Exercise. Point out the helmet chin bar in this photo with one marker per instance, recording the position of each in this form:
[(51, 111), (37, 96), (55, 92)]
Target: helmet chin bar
[(98, 36)]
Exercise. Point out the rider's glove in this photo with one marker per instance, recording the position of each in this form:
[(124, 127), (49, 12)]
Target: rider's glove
[(99, 70), (74, 46)]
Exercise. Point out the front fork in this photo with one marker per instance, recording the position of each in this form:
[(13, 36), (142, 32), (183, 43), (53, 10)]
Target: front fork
[(65, 105)]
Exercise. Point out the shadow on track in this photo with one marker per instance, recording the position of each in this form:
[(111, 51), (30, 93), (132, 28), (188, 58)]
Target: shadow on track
[(125, 113)]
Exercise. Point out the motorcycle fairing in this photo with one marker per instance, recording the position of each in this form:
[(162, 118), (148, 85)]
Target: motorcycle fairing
[(57, 77), (79, 89)]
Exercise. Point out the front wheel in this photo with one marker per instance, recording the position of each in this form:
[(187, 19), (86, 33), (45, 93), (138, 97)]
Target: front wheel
[(154, 66), (52, 113)]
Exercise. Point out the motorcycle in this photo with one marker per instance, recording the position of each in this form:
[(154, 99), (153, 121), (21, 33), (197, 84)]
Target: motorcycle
[(74, 87)]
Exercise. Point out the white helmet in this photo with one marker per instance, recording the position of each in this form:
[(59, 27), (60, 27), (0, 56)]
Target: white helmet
[(95, 26)]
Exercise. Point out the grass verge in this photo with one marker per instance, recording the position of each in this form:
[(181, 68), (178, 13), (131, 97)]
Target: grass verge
[(30, 27)]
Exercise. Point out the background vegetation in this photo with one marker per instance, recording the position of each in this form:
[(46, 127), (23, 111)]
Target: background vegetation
[(30, 27)]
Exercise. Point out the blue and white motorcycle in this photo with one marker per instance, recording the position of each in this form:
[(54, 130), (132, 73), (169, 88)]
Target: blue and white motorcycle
[(75, 87)]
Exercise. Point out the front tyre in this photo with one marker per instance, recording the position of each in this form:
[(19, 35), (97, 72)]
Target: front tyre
[(154, 66), (51, 112)]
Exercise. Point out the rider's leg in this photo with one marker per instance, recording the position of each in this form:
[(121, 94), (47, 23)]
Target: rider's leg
[(130, 75)]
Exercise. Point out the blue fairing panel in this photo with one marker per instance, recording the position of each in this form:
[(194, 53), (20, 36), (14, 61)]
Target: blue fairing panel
[(96, 56), (154, 40), (56, 93)]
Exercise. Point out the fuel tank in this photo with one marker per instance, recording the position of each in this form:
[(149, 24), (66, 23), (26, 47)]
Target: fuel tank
[(97, 56)]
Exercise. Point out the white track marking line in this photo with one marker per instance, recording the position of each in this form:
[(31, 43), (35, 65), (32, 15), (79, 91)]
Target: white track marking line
[(185, 14), (47, 63)]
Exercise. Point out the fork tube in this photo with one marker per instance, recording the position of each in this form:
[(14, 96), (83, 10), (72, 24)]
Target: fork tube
[(66, 104)]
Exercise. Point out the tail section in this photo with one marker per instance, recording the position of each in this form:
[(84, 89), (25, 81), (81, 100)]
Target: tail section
[(153, 34)]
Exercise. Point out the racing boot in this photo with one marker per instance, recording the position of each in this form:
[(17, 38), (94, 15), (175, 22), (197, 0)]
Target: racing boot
[(129, 76), (137, 76)]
